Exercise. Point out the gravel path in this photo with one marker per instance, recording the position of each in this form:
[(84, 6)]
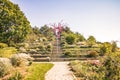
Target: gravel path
[(60, 71)]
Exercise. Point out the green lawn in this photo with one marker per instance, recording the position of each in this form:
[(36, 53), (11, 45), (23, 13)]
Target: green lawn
[(37, 71)]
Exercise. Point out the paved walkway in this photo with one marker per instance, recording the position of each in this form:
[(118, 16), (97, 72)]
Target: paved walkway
[(60, 71)]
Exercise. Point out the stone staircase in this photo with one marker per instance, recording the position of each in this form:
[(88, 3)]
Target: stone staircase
[(57, 51), (55, 55), (39, 57)]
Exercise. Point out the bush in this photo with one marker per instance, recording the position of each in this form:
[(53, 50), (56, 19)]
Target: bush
[(21, 59), (7, 52), (93, 54), (74, 62), (67, 53), (42, 47), (112, 66), (16, 76), (5, 66), (85, 70), (109, 68), (3, 45), (80, 68), (49, 47)]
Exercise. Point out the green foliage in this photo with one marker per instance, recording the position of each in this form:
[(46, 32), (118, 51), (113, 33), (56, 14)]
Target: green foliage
[(46, 31), (7, 52), (14, 25), (67, 53), (72, 63), (83, 69), (67, 29), (108, 68), (114, 46), (36, 30), (37, 71), (70, 38), (112, 66), (106, 48), (3, 45), (91, 41), (102, 50), (79, 37), (93, 54), (49, 47), (16, 76), (20, 59)]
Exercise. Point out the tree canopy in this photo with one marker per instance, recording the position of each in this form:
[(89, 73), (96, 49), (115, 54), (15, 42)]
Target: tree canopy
[(91, 41), (14, 26)]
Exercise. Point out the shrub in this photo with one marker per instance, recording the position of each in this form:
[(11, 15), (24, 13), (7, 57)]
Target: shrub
[(80, 68), (7, 52), (5, 66), (93, 54), (3, 45), (42, 47), (85, 70), (112, 66), (67, 53), (16, 76), (49, 47), (74, 62), (109, 68), (21, 59), (70, 38)]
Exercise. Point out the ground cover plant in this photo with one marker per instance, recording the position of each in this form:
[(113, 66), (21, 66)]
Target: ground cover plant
[(106, 68), (7, 51)]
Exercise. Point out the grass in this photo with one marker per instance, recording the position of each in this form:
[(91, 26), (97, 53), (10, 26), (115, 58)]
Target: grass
[(37, 71)]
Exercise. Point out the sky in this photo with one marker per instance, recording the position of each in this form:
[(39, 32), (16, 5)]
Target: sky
[(99, 18)]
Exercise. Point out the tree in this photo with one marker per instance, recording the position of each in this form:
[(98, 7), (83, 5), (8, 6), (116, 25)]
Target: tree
[(70, 38), (91, 41), (46, 32), (111, 66), (106, 48), (80, 37), (114, 46), (36, 30), (14, 26), (66, 29)]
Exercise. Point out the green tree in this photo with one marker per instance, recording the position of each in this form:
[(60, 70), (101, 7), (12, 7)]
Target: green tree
[(91, 41), (46, 32), (80, 37), (14, 26), (66, 29), (70, 38), (114, 46), (36, 30), (106, 48), (111, 65)]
